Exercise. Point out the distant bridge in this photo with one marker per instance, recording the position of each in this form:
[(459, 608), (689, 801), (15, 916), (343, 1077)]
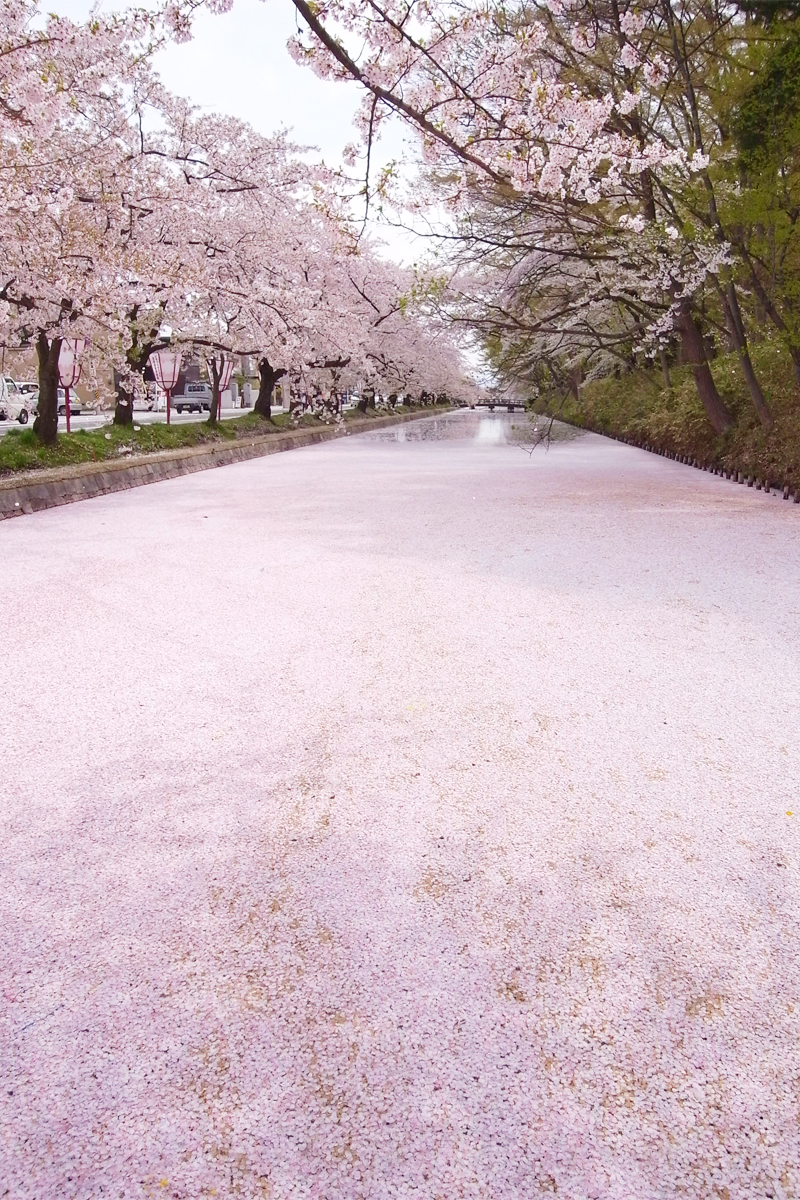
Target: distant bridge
[(499, 405)]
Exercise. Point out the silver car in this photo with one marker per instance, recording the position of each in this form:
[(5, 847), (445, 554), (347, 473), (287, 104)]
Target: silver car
[(74, 405)]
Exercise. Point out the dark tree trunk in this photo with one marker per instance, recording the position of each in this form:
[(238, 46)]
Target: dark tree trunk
[(575, 381), (694, 352), (268, 376), (665, 368), (362, 405), (123, 409), (137, 359), (216, 395), (756, 394), (46, 424), (739, 338), (769, 308)]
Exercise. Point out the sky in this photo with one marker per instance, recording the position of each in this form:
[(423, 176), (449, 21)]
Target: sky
[(237, 63)]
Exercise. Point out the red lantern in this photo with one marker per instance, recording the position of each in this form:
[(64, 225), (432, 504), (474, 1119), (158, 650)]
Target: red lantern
[(166, 366)]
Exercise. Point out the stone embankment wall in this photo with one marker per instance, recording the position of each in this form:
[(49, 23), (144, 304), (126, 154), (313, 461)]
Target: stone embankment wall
[(785, 489), (35, 490)]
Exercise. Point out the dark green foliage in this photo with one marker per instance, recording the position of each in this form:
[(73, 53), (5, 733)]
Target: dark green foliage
[(768, 11), (766, 122)]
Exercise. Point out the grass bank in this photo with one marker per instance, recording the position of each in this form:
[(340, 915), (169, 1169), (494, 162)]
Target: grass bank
[(20, 449), (638, 408)]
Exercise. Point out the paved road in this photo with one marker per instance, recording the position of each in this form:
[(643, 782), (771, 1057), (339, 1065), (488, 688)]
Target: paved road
[(96, 420), (404, 816)]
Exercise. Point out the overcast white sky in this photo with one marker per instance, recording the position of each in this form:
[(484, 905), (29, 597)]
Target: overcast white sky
[(238, 63)]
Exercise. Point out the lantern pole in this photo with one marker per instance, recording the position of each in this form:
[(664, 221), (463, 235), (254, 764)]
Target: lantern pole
[(66, 409)]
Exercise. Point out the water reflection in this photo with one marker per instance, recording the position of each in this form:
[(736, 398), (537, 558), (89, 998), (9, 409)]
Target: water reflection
[(491, 431), (478, 427)]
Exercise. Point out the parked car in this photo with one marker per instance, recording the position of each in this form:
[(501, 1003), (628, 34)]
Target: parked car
[(195, 397), (14, 404), (146, 400), (74, 405)]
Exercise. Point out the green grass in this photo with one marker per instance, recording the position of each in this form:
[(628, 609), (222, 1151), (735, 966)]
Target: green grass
[(20, 449), (638, 406)]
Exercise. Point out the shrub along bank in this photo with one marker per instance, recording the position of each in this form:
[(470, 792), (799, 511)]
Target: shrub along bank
[(638, 408)]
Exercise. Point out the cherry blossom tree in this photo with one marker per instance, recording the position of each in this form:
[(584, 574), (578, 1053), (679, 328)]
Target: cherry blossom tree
[(68, 168), (129, 220), (600, 121)]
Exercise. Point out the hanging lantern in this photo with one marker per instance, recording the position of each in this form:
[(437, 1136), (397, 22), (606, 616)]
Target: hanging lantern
[(225, 372), (166, 367), (69, 369)]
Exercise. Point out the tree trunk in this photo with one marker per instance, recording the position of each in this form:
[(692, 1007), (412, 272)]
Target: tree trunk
[(662, 354), (216, 395), (137, 358), (769, 308), (694, 352), (267, 378), (46, 424), (756, 394), (739, 337), (576, 378), (123, 409)]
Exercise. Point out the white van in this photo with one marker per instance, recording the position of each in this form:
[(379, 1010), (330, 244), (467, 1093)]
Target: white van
[(195, 397), (15, 405)]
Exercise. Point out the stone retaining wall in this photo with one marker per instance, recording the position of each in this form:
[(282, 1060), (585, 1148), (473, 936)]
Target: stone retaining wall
[(786, 489), (734, 476), (35, 490)]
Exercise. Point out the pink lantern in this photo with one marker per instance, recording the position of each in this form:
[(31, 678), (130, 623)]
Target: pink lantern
[(166, 366), (69, 369), (226, 370)]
